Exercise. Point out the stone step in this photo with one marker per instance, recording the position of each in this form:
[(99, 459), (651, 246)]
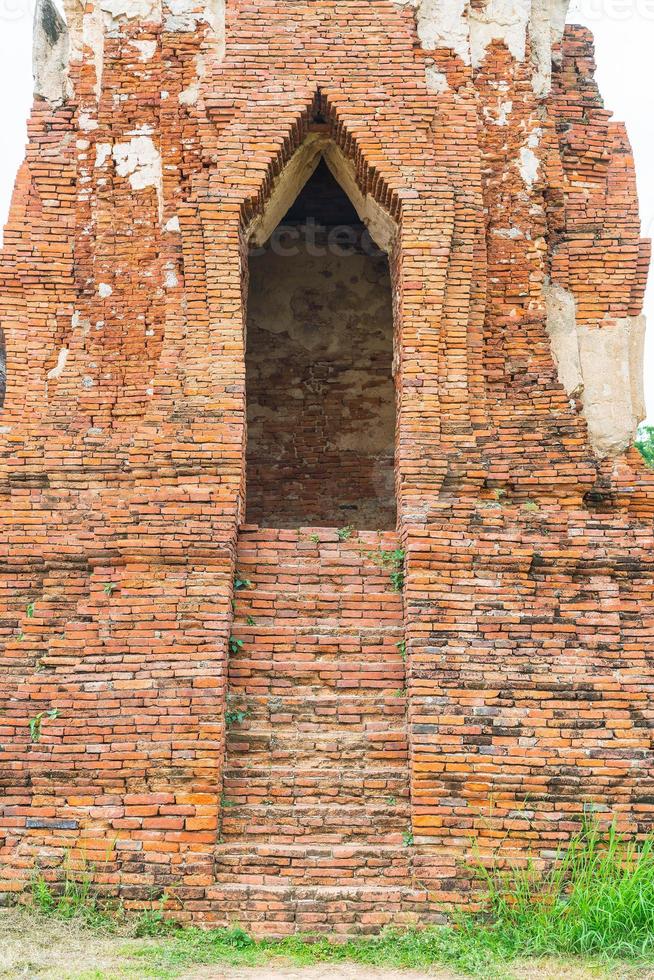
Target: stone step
[(338, 712), (309, 823), (374, 611), (269, 864), (283, 910), (316, 753), (310, 680), (278, 786), (283, 747), (341, 634)]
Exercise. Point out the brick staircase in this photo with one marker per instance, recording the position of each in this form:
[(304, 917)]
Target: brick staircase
[(315, 810)]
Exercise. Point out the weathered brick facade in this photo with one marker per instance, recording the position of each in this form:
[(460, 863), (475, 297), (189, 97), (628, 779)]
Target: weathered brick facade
[(354, 780)]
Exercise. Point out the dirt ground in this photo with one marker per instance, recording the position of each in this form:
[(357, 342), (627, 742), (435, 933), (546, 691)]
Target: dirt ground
[(32, 946)]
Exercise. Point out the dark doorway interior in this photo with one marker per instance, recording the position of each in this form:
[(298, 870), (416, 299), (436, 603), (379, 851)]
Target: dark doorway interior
[(320, 394)]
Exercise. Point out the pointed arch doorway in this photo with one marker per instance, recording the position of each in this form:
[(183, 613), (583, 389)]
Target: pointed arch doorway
[(321, 413)]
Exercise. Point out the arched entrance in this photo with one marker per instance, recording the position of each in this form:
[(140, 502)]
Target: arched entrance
[(319, 356)]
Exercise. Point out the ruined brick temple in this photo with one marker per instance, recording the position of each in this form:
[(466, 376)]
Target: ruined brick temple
[(325, 556)]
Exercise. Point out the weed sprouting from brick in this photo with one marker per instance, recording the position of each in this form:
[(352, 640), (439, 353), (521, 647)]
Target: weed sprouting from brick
[(74, 895), (594, 903), (235, 645), (36, 723), (393, 561), (345, 533), (235, 717), (241, 583), (109, 588)]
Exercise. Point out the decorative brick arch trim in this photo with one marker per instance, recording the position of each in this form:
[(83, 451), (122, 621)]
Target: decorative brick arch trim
[(231, 200), (321, 115)]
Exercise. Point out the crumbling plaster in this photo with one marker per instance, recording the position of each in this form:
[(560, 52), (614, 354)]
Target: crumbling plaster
[(58, 42), (50, 53), (602, 365), (469, 29)]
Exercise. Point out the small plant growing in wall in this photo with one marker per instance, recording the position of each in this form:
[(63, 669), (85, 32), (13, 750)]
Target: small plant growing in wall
[(29, 612), (241, 583), (407, 838), (235, 645), (345, 533), (393, 561), (236, 717), (36, 723), (401, 646), (109, 588)]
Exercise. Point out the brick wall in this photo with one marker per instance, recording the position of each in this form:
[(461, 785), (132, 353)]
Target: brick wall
[(529, 582)]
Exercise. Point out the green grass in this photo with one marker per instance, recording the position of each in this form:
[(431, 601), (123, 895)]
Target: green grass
[(596, 902), (392, 949), (75, 898), (645, 443)]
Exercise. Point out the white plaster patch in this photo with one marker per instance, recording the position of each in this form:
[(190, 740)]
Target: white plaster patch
[(93, 39), (442, 25), (86, 123), (118, 11), (50, 53), (499, 20), (146, 49), (184, 16), (603, 365), (140, 162), (436, 80), (506, 108), (102, 154), (513, 233), (170, 280), (104, 290), (57, 371), (173, 224), (469, 30), (77, 321), (528, 162), (562, 329), (612, 366), (190, 95)]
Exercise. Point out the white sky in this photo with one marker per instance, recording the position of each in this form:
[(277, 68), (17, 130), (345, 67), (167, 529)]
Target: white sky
[(624, 35)]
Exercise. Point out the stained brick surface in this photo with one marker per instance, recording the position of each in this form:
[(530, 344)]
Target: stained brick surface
[(527, 607)]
